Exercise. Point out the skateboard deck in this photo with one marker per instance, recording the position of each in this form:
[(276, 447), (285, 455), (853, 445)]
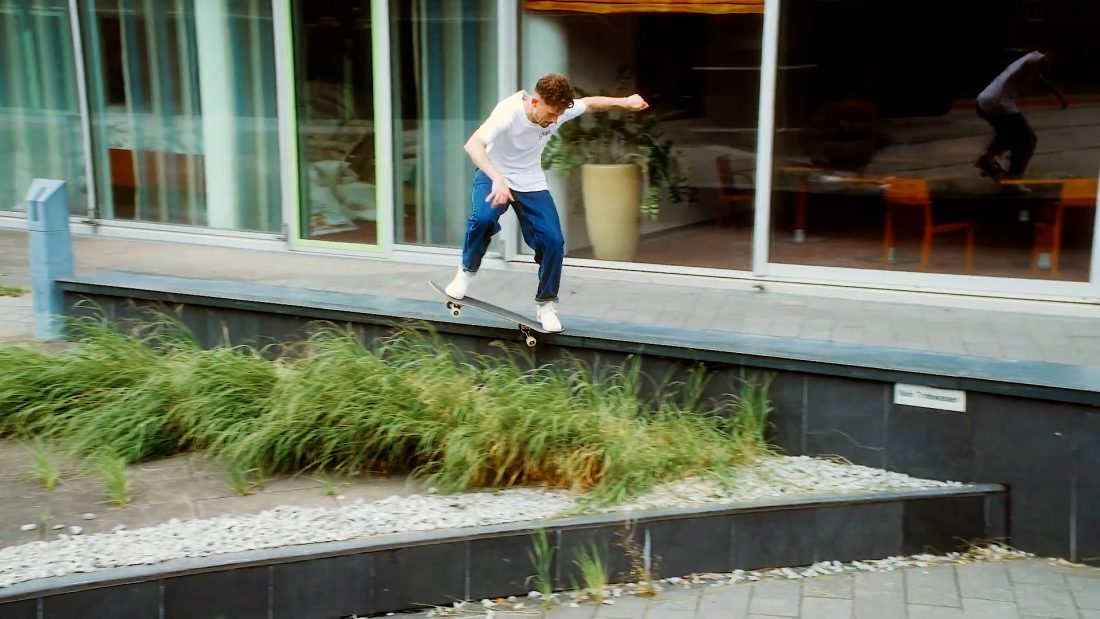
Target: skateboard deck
[(527, 326)]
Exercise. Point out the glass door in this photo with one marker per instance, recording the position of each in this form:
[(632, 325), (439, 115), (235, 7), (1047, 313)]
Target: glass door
[(334, 87)]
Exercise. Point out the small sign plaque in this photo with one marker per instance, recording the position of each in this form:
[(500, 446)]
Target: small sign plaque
[(930, 397)]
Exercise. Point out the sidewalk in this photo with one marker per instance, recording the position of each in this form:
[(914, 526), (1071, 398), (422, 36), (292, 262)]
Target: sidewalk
[(1001, 590), (1010, 335)]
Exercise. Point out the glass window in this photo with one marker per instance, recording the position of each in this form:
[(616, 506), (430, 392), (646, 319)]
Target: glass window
[(182, 105), (39, 107), (935, 136), (335, 81), (444, 59), (698, 65)]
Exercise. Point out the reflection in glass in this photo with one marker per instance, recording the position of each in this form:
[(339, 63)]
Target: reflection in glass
[(700, 72), (39, 110), (335, 80), (182, 105), (444, 59), (910, 141)]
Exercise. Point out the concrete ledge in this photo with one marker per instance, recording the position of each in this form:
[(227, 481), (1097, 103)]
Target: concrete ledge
[(410, 570), (1047, 381)]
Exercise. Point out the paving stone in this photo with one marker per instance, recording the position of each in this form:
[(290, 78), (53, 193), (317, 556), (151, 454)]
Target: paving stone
[(1037, 572), (989, 609), (730, 602), (825, 608), (663, 613), (583, 611), (625, 607), (920, 611), (1049, 600), (889, 582), (670, 602), (987, 581), (776, 598), (835, 586), (1085, 591), (932, 586), (873, 604)]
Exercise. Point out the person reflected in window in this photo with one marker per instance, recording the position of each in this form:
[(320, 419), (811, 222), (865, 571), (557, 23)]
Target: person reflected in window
[(1012, 133)]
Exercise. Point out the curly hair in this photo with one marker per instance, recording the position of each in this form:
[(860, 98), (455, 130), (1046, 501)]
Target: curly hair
[(555, 90)]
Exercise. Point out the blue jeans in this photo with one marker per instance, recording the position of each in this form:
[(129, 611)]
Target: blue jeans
[(538, 221)]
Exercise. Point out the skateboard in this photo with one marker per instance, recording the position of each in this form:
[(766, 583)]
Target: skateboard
[(526, 326)]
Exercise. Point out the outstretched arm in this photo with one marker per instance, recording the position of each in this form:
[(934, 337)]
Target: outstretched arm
[(634, 103)]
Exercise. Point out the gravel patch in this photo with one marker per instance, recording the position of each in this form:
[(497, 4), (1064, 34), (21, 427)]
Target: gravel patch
[(289, 525)]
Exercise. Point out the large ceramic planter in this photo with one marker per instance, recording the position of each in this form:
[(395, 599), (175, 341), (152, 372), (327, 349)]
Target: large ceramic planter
[(612, 208)]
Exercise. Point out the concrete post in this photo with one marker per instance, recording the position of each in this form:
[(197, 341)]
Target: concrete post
[(51, 254)]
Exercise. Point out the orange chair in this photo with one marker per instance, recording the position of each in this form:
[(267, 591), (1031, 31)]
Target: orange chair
[(914, 192), (728, 193), (1076, 192)]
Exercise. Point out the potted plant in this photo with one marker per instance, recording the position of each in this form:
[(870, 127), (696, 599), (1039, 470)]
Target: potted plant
[(626, 163)]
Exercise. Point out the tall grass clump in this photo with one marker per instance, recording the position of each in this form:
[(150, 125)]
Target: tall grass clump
[(112, 471), (341, 406), (407, 403), (541, 556), (46, 470)]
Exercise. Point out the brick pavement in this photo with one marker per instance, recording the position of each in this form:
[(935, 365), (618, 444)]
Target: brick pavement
[(1021, 589)]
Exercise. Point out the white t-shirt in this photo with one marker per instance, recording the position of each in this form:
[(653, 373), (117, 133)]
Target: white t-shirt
[(999, 97), (515, 144)]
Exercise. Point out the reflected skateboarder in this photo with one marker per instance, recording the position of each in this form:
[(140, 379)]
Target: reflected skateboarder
[(997, 105)]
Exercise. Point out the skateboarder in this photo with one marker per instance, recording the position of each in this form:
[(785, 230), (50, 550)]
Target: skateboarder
[(997, 105), (507, 150)]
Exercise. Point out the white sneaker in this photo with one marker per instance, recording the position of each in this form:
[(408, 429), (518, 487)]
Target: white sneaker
[(457, 288), (547, 315)]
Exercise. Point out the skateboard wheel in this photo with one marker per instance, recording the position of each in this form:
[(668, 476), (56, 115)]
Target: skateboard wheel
[(456, 312), (531, 342)]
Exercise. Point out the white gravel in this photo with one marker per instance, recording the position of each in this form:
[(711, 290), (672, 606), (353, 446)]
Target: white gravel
[(283, 526)]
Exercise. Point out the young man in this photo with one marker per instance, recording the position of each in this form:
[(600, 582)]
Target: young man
[(997, 105), (507, 150)]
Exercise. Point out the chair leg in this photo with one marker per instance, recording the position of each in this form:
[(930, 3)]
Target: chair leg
[(970, 249), (926, 249), (1055, 249), (888, 236)]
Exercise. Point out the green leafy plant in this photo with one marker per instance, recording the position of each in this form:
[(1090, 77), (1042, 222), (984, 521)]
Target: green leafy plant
[(46, 470), (619, 136), (592, 565), (112, 470), (11, 291), (243, 480), (541, 555), (748, 425)]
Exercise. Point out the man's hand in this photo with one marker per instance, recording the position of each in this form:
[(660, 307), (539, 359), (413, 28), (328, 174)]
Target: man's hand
[(500, 195), (635, 103)]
